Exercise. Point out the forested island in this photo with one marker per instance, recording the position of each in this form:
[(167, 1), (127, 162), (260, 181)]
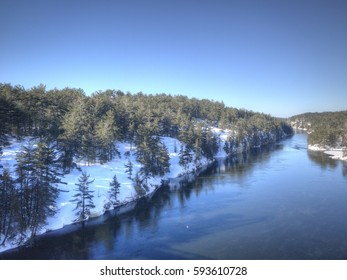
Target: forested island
[(51, 140), (327, 131)]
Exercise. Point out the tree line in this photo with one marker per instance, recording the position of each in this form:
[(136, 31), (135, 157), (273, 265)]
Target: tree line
[(87, 127), (324, 129), (29, 199), (69, 125)]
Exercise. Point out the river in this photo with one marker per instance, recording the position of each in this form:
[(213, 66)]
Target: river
[(280, 202)]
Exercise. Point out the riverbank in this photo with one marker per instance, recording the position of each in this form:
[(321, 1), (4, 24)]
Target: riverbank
[(335, 153), (102, 175), (280, 192)]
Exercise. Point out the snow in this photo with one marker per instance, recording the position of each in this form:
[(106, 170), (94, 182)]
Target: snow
[(335, 153), (316, 148), (102, 175), (223, 135)]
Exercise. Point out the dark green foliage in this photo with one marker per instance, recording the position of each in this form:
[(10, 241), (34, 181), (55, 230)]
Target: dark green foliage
[(114, 191), (88, 128), (325, 129), (129, 169), (27, 201), (46, 172), (25, 182), (229, 144), (139, 186), (287, 129), (78, 137), (14, 111), (151, 153), (185, 156), (209, 145), (38, 175), (83, 197), (106, 133), (45, 192), (8, 206)]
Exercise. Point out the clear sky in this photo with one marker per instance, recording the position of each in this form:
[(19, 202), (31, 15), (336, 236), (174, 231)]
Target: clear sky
[(272, 56)]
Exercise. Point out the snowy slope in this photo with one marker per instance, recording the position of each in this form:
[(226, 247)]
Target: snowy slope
[(102, 175), (335, 153)]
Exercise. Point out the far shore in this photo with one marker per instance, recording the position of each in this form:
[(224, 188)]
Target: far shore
[(335, 153)]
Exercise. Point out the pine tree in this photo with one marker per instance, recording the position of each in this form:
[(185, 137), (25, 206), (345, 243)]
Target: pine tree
[(129, 169), (106, 133), (45, 190), (163, 159), (78, 137), (38, 174), (25, 181), (185, 156), (209, 144), (154, 157), (144, 144), (227, 147), (83, 197), (114, 191), (8, 205), (139, 187), (198, 150)]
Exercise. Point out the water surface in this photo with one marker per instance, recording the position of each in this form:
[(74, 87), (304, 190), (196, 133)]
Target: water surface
[(280, 202)]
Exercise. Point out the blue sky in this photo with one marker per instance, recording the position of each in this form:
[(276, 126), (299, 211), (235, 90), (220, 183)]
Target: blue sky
[(276, 57)]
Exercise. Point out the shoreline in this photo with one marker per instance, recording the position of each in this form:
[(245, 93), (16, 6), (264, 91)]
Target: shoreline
[(128, 199), (334, 153), (181, 175), (122, 208)]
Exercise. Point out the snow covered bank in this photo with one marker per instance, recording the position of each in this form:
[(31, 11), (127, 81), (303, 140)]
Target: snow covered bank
[(102, 175), (335, 153)]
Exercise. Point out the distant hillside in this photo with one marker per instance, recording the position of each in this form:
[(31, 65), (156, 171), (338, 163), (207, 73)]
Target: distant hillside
[(87, 126), (325, 129)]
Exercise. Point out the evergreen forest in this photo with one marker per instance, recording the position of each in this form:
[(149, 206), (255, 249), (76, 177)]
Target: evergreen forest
[(68, 125), (324, 129)]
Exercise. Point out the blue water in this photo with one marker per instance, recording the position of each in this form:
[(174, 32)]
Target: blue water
[(281, 202)]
